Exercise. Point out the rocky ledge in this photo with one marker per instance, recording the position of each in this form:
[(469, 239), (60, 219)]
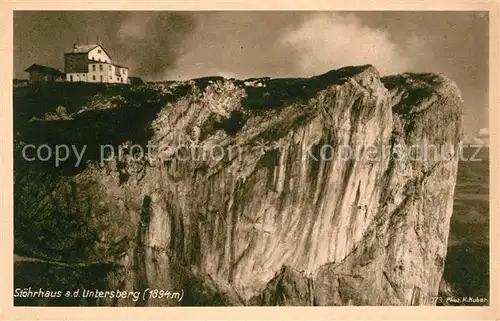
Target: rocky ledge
[(273, 216)]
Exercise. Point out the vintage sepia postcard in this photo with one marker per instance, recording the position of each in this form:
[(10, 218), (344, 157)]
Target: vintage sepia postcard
[(338, 160)]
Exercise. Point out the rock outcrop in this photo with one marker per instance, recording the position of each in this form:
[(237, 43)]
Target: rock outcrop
[(290, 192)]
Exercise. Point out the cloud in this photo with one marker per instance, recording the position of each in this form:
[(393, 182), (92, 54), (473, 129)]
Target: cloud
[(483, 132), (480, 137), (328, 41), (472, 140), (202, 72), (483, 135), (152, 41), (133, 27)]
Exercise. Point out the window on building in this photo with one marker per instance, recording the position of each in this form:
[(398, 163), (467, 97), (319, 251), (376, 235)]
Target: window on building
[(83, 75), (93, 67), (93, 77), (109, 67), (99, 50), (100, 67), (70, 77)]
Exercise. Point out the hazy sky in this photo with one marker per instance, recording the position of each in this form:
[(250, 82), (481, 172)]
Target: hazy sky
[(181, 45)]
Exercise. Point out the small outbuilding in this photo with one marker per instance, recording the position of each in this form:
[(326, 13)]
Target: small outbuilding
[(39, 73)]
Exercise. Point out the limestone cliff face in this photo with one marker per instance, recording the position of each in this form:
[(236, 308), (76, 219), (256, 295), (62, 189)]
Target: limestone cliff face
[(295, 223)]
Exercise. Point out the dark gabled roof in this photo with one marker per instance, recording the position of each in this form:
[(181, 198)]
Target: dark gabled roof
[(44, 70), (82, 49)]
